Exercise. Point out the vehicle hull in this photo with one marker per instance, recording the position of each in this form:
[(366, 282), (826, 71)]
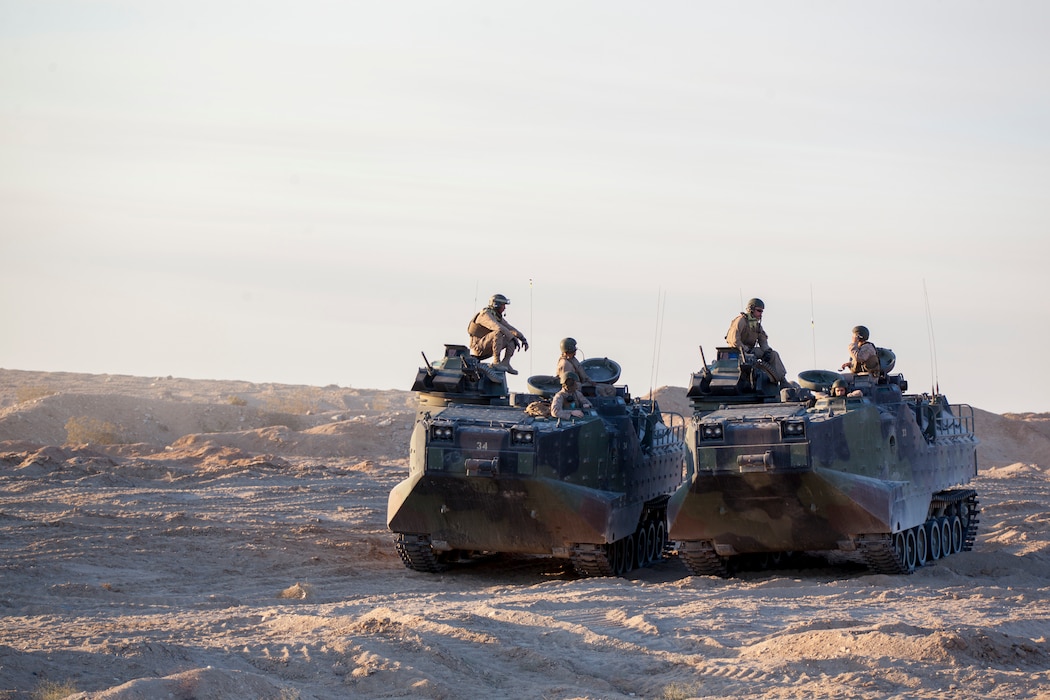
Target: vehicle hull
[(497, 474), (522, 516), (842, 474)]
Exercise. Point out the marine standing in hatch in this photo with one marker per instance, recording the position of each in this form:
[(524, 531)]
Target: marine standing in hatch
[(839, 389), (746, 335), (570, 401), (568, 363), (863, 355), (491, 336)]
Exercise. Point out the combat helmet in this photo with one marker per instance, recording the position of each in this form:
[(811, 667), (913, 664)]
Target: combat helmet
[(568, 345), (570, 379), (755, 303), (862, 332), (497, 299)]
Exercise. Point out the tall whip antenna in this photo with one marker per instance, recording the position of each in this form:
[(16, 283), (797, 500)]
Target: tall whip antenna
[(661, 299), (813, 324), (531, 327), (932, 340)]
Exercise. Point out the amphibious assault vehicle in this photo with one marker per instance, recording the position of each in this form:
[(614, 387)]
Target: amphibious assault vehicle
[(491, 472), (876, 475)]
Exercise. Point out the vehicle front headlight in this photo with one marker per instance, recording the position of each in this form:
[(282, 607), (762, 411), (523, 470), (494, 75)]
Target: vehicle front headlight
[(711, 431), (521, 437), (442, 433)]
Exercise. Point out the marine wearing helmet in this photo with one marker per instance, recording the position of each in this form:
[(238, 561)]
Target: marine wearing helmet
[(570, 401), (747, 335), (491, 335), (863, 355), (568, 362)]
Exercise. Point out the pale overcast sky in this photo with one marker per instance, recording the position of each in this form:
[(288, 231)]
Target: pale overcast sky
[(316, 192)]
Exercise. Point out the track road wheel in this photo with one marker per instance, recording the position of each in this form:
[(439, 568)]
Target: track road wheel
[(946, 535), (900, 548), (922, 547), (641, 547), (616, 557), (652, 549), (957, 534), (933, 536), (630, 549)]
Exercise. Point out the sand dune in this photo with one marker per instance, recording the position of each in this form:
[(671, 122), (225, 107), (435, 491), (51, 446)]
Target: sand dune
[(231, 543)]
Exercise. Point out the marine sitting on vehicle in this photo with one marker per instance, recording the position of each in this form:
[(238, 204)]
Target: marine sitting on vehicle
[(747, 335), (491, 335)]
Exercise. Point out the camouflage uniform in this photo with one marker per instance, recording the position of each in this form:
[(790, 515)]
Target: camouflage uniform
[(746, 334), (568, 363), (493, 335), (566, 401), (864, 357)]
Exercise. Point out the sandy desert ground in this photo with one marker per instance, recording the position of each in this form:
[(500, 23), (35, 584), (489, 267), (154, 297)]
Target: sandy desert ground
[(230, 542)]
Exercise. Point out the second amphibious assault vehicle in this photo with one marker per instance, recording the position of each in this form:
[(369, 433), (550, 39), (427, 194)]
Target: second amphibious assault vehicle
[(490, 473), (878, 475)]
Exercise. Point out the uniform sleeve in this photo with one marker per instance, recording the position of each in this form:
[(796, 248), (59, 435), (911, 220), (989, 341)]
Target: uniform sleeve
[(491, 321), (487, 319), (763, 339), (852, 350), (557, 404), (582, 401)]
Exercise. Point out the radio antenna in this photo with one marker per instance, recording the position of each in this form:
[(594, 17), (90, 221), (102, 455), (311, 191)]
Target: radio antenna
[(532, 329), (932, 341), (661, 299), (813, 324)]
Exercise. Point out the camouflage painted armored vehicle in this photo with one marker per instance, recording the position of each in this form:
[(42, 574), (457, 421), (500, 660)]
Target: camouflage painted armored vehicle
[(490, 472), (877, 475)]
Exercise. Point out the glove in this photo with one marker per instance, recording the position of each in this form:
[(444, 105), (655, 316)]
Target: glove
[(767, 355), (524, 343)]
